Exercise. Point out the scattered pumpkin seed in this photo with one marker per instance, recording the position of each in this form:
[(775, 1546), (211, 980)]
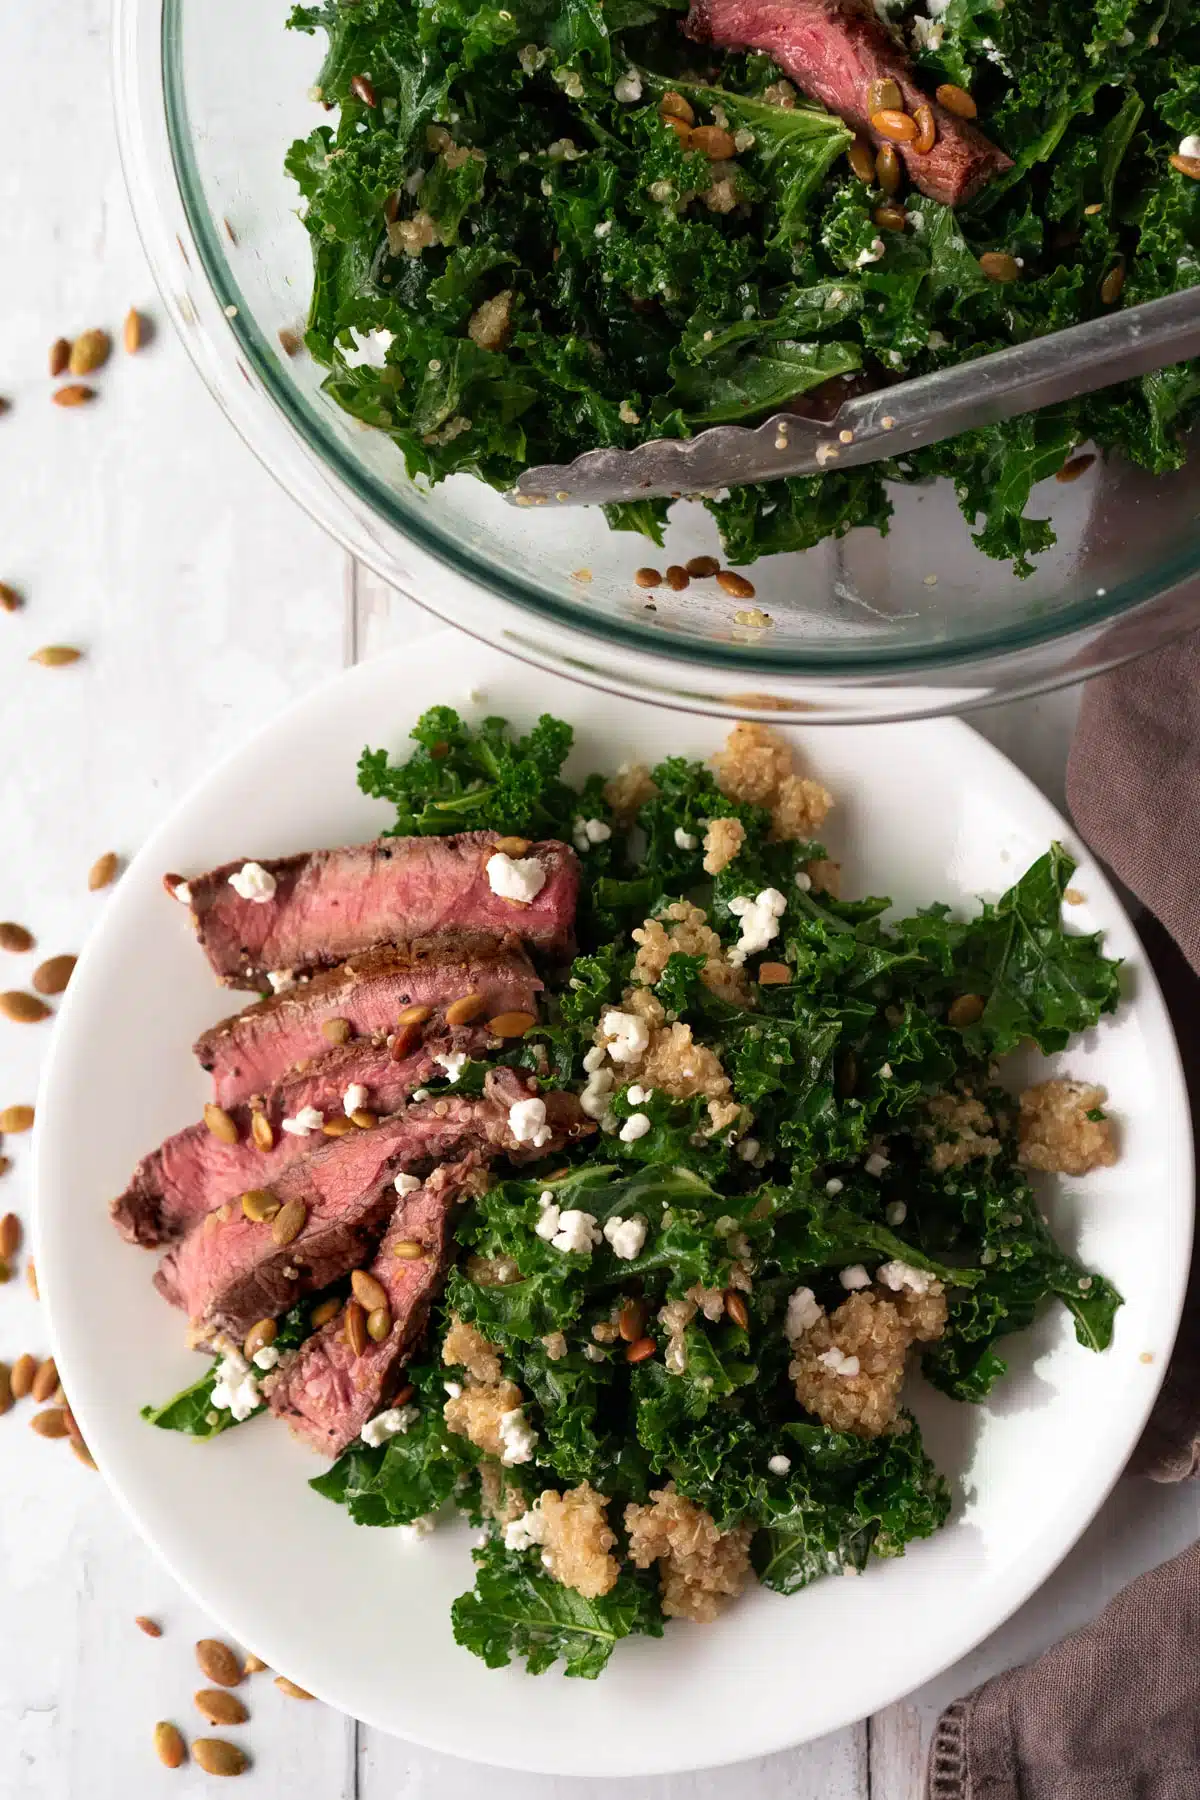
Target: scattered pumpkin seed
[(168, 1744), (259, 1337), (735, 584), (884, 96), (735, 1306), (639, 1351), (50, 1424), (408, 1250), (218, 1662), (23, 1009), (103, 870), (1113, 283), (998, 265), (76, 393), (253, 1665), (262, 1132), (899, 127), (889, 171), (10, 600), (713, 142), (260, 1206), (31, 1280), (461, 1012), (338, 1126), (956, 100), (414, 1015), (15, 1119), (6, 1393), (82, 1453), (356, 1327), (966, 1010), (926, 126), (15, 938), (289, 1222), (5, 1164), (217, 1706), (1077, 466), (89, 352), (511, 846), (700, 568), (1186, 165), (367, 1291), (862, 164), (45, 1382), (10, 1235), (52, 976), (511, 1024), (217, 1756), (646, 578), (631, 1321), (379, 1324), (220, 1124), (23, 1372), (321, 1315), (56, 656), (366, 1121), (59, 357), (151, 1627), (291, 1688), (363, 89), (133, 331)]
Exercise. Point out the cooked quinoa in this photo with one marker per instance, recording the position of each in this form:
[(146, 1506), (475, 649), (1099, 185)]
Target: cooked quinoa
[(1059, 1130), (701, 1569)]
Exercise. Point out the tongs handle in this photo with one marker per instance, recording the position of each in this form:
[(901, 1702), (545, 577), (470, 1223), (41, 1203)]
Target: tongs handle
[(889, 421)]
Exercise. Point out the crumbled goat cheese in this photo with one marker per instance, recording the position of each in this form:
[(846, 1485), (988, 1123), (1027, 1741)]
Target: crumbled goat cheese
[(597, 1095), (759, 919), (547, 1225), (419, 1094), (235, 1390), (603, 228), (525, 1532), (515, 878), (885, 1072), (897, 1275), (253, 882), (266, 1358), (779, 1465), (626, 1236), (594, 1353), (627, 88), (927, 33), (803, 880), (627, 415), (838, 1363), (355, 1098), (802, 1313), (637, 1095), (406, 1184), (518, 1437), (587, 832), (748, 1149), (636, 1126), (876, 1163), (280, 979), (854, 1277), (183, 893), (392, 1423), (307, 1120), (416, 1529), (577, 1231), (527, 1122), (453, 1062), (370, 348), (594, 1059), (895, 1212), (453, 1389), (1190, 145), (626, 1036), (833, 1185), (874, 254), (684, 840), (936, 341)]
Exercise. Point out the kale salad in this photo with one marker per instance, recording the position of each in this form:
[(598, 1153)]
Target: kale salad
[(521, 251), (668, 1361)]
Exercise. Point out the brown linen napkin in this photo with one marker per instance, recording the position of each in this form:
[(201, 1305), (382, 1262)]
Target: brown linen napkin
[(1113, 1712)]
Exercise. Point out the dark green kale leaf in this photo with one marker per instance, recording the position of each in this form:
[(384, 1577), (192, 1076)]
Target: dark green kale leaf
[(517, 1609), (191, 1411), (466, 778), (411, 1475)]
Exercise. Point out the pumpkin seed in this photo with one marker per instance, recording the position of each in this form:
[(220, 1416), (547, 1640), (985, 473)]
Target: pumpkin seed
[(23, 1372), (76, 393), (217, 1756), (862, 161), (735, 1306), (888, 170), (631, 1321), (966, 1010), (150, 1626), (83, 1453), (260, 1206), (1077, 466), (338, 1126), (773, 974), (50, 1424), (89, 352), (220, 1124), (261, 1131), (290, 1688), (52, 976), (56, 656), (132, 331), (6, 1393), (408, 1250), (217, 1706), (367, 1291), (510, 846), (45, 1382), (700, 568), (336, 1031), (31, 1281), (15, 937), (23, 1009), (646, 578), (405, 1395), (735, 584), (366, 1121), (712, 142), (1110, 293), (10, 1235), (322, 1314), (10, 600), (956, 100), (59, 357), (5, 1272), (15, 1119), (899, 127), (674, 106), (379, 1324), (289, 1222), (511, 1024), (998, 265), (362, 88), (639, 1351), (414, 1015), (926, 125), (103, 870), (356, 1327), (884, 96), (462, 1011), (168, 1744), (218, 1662), (890, 218), (1186, 165), (259, 1337), (5, 1164), (253, 1665)]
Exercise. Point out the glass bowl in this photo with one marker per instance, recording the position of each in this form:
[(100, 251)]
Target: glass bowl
[(209, 95)]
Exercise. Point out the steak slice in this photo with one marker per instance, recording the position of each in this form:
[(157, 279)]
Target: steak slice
[(834, 50), (229, 1271), (326, 905), (194, 1172), (325, 1393), (249, 1052)]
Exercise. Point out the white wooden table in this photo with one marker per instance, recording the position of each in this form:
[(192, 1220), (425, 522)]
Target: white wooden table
[(141, 530)]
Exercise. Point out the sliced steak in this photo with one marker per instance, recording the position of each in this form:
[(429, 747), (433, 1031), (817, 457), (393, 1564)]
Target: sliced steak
[(229, 1272), (834, 50), (249, 1052), (194, 1172), (326, 905), (326, 1393)]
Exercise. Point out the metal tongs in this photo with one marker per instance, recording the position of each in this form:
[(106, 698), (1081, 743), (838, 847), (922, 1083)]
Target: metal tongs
[(888, 422)]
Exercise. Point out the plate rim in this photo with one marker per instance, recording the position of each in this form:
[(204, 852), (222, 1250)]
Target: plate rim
[(954, 730)]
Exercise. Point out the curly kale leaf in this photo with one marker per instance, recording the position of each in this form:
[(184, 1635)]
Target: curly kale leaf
[(517, 1609), (468, 778), (409, 1476)]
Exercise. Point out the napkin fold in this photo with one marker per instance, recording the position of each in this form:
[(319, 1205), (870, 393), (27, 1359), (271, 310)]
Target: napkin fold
[(1113, 1712)]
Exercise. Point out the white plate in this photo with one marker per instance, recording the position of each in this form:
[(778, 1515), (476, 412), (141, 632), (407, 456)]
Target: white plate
[(925, 812)]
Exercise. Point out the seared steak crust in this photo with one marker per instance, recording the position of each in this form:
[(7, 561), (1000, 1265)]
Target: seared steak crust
[(834, 50), (327, 905), (249, 1052), (324, 1392)]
